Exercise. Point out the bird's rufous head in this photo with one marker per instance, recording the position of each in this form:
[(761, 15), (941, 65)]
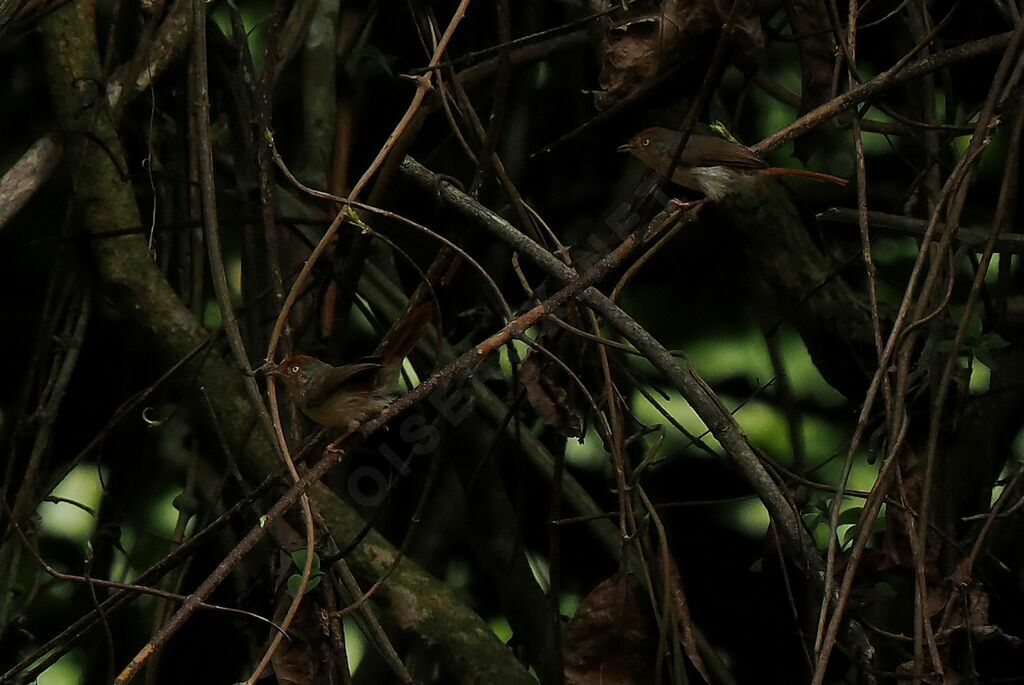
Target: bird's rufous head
[(297, 370), (654, 146), (642, 140)]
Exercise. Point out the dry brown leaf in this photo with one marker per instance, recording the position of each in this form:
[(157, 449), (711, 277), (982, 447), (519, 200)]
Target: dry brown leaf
[(548, 398), (633, 52), (612, 638), (305, 659)]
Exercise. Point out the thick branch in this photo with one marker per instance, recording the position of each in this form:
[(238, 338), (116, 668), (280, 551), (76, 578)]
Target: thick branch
[(106, 203)]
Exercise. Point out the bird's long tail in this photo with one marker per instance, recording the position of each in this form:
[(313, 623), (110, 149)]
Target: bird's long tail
[(783, 171), (401, 338)]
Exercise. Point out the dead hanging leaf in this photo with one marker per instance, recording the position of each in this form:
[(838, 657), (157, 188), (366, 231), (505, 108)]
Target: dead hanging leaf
[(612, 638), (630, 57), (306, 658), (896, 541), (962, 608), (635, 51), (935, 601), (548, 398)]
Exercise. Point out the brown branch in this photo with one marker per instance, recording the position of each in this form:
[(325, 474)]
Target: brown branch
[(898, 73), (973, 238), (136, 287), (334, 454), (707, 405), (23, 179), (50, 651), (128, 588)]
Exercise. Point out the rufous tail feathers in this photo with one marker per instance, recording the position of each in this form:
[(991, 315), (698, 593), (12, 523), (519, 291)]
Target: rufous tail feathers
[(783, 171), (403, 336)]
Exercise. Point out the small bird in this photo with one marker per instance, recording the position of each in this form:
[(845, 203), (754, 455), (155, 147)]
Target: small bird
[(347, 395), (708, 164)]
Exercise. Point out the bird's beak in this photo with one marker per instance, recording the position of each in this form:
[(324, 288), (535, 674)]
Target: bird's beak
[(269, 368), (628, 147)]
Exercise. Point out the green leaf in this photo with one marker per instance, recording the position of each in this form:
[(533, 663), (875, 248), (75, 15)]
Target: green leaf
[(812, 519), (719, 128), (974, 327), (823, 506), (992, 341), (299, 559), (848, 536), (850, 516), (295, 580), (984, 355)]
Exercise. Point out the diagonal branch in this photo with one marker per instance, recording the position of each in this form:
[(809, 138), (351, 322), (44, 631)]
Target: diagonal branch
[(686, 379)]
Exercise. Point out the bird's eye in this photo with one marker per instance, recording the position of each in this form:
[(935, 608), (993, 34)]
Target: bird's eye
[(646, 142), (295, 369)]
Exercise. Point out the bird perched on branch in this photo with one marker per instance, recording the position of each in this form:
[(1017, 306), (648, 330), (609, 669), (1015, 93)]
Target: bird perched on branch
[(345, 396), (708, 164)]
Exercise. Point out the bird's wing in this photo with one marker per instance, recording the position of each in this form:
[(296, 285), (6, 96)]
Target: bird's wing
[(330, 382), (711, 151)]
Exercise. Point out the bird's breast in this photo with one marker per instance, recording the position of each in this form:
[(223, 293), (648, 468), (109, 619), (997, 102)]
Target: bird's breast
[(714, 181)]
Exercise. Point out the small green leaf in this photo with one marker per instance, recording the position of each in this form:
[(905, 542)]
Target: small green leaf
[(984, 355), (824, 506), (974, 327), (850, 516), (299, 559), (295, 580), (992, 341), (719, 128), (353, 216)]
